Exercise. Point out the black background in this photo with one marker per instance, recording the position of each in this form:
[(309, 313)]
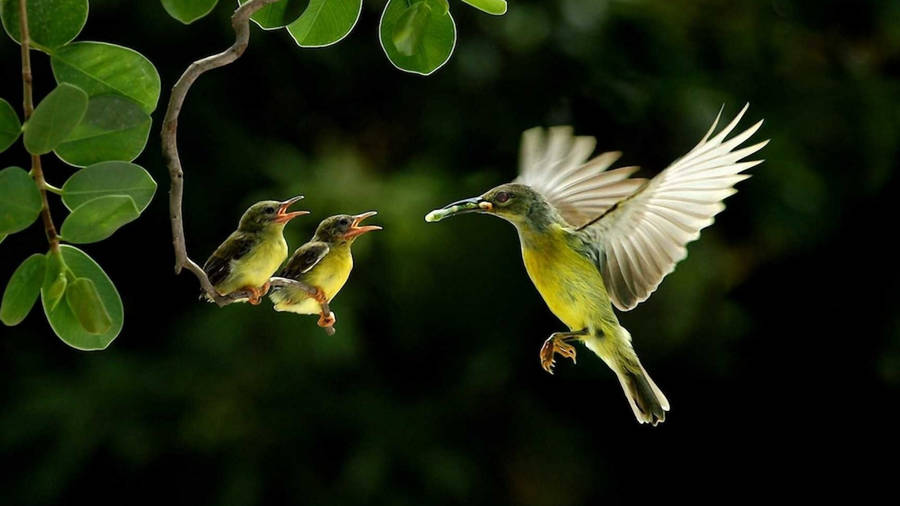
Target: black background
[(777, 341)]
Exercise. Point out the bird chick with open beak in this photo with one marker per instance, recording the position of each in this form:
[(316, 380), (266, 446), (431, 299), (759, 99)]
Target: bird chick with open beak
[(324, 263), (251, 254)]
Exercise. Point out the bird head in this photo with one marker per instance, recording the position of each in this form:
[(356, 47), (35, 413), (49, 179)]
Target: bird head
[(513, 202), (344, 228), (268, 213)]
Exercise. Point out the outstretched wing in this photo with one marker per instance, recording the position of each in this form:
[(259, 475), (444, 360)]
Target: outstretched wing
[(642, 238), (218, 266), (555, 163), (305, 258)]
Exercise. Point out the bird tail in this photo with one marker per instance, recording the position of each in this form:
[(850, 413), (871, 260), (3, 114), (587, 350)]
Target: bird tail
[(646, 399)]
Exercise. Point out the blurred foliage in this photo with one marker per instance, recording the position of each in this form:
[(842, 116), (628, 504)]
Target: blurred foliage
[(775, 341)]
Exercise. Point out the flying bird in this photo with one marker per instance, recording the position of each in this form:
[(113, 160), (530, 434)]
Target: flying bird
[(594, 238), (324, 264), (251, 254)]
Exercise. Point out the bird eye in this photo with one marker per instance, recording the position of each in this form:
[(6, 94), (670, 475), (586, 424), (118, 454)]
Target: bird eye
[(345, 222), (502, 197), (269, 210)]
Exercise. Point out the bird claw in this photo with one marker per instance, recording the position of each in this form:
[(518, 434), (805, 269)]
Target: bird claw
[(555, 344), (327, 321)]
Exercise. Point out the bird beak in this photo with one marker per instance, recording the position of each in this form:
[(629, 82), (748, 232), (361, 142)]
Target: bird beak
[(356, 230), (282, 216), (472, 205)]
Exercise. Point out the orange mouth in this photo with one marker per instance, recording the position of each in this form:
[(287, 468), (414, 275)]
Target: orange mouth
[(356, 230), (282, 216)]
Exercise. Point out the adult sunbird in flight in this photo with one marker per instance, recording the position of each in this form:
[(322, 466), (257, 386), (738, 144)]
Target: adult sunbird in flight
[(251, 254), (324, 263), (593, 238)]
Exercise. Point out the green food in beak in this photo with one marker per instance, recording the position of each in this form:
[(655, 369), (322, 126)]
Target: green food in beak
[(472, 205)]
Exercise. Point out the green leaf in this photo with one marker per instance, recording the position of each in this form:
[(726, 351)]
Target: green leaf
[(410, 28), (431, 50), (109, 178), (495, 7), (51, 23), (66, 325), (99, 68), (97, 219), (20, 200), (10, 127), (325, 22), (85, 304), (278, 14), (188, 11), (23, 289), (113, 128), (2, 237), (55, 281), (55, 118)]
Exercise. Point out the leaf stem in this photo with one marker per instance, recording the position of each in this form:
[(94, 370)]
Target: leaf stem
[(28, 106)]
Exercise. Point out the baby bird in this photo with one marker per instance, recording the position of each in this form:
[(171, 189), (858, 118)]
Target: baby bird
[(324, 263), (250, 255)]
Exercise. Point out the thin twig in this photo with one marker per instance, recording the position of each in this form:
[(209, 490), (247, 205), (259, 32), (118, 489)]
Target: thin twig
[(240, 22), (37, 171)]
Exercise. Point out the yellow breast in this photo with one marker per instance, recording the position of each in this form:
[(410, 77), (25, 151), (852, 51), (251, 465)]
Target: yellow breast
[(569, 283), (329, 275), (257, 266)]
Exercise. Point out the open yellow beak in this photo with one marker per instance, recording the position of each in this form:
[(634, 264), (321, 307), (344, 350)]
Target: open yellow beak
[(282, 216), (356, 230)]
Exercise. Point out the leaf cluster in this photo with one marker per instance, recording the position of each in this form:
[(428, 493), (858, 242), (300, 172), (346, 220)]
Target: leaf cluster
[(97, 119)]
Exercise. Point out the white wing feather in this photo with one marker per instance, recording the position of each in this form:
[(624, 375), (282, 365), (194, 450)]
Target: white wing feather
[(644, 236), (554, 162)]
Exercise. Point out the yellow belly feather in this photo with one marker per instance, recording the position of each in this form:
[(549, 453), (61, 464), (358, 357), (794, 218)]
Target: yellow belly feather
[(257, 266), (330, 274), (569, 283)]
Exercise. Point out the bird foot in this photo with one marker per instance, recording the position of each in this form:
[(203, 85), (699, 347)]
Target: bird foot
[(327, 321), (319, 296), (554, 344), (256, 293)]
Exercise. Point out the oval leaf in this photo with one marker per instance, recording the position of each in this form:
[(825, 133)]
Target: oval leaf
[(85, 304), (113, 128), (20, 200), (55, 118), (109, 178), (188, 11), (10, 127), (55, 281), (97, 219), (495, 7), (438, 37), (99, 68), (278, 14), (325, 22), (66, 325), (23, 289), (51, 23)]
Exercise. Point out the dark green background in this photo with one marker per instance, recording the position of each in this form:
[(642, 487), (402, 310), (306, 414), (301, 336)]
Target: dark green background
[(776, 341)]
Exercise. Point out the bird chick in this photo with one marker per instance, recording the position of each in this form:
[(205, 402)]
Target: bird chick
[(252, 253), (324, 263)]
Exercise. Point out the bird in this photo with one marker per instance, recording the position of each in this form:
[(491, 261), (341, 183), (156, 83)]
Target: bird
[(250, 255), (594, 238), (324, 264)]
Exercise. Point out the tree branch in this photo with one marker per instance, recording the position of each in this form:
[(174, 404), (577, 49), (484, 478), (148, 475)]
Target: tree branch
[(240, 22), (37, 172)]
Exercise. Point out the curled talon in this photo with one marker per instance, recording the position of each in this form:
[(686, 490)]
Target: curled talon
[(327, 321), (554, 344)]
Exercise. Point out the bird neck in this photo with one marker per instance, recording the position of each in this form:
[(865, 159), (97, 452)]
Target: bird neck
[(267, 230), (540, 221)]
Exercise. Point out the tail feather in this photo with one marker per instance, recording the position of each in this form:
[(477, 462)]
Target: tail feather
[(646, 399)]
